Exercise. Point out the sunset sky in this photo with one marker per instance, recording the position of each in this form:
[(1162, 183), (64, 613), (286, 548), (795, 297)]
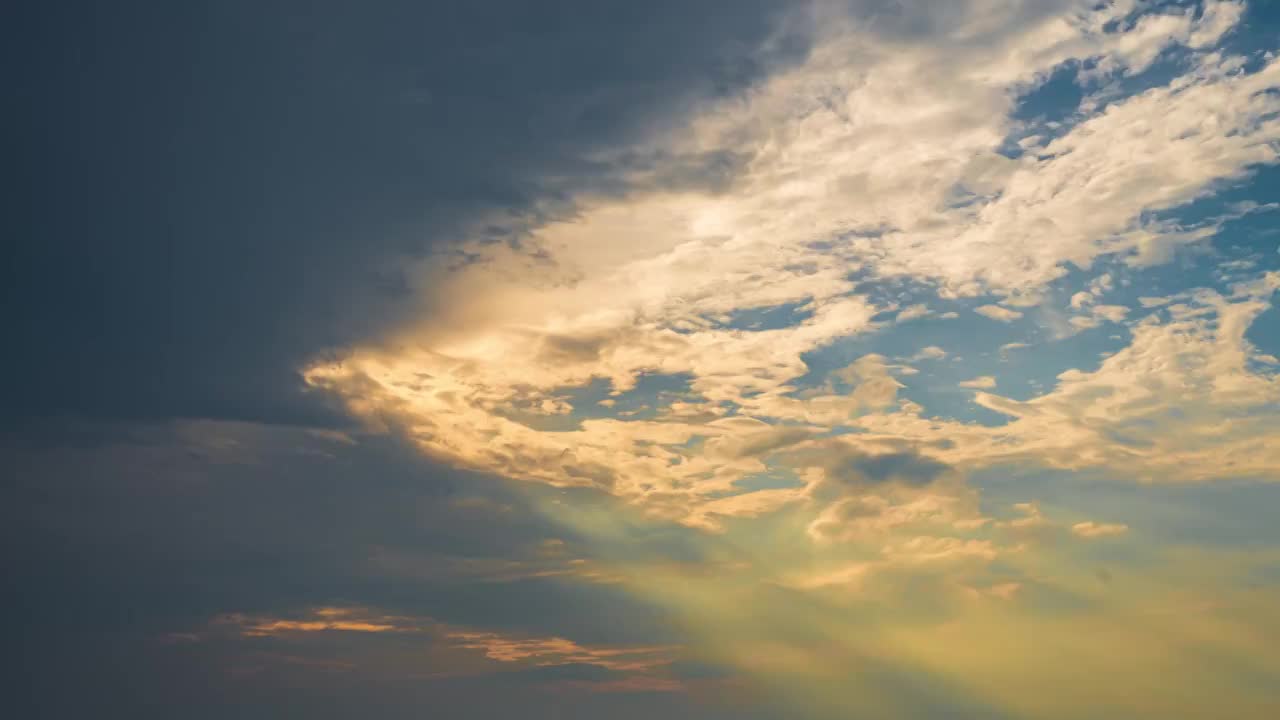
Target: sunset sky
[(823, 359)]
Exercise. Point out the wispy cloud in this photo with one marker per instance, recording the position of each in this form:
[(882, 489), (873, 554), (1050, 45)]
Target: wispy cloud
[(1091, 529)]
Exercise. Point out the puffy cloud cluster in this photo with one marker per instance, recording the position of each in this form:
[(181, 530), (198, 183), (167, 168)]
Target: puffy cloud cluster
[(1186, 400), (882, 155)]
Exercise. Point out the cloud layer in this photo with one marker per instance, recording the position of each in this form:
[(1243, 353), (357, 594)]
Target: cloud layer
[(821, 359)]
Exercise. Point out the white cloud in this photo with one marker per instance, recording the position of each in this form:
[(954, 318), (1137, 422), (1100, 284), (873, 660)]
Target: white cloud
[(855, 158), (1090, 529), (912, 312), (1180, 403), (1112, 313), (923, 549), (1084, 322), (1097, 288), (929, 352), (872, 516), (995, 312), (984, 382)]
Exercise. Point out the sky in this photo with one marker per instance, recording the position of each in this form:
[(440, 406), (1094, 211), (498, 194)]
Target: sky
[(700, 359)]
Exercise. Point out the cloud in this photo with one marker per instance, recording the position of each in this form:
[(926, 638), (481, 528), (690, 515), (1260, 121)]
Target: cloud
[(1188, 400), (1165, 400), (602, 328), (995, 312), (912, 312), (907, 558), (1007, 348), (619, 667), (349, 142), (929, 352), (905, 467), (1090, 529), (1087, 301), (1031, 525), (872, 517), (553, 651), (925, 549), (663, 301), (1098, 287), (325, 619), (1112, 313)]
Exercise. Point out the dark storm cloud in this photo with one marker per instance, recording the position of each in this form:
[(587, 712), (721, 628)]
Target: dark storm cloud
[(118, 543), (173, 527), (212, 193), (207, 196)]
